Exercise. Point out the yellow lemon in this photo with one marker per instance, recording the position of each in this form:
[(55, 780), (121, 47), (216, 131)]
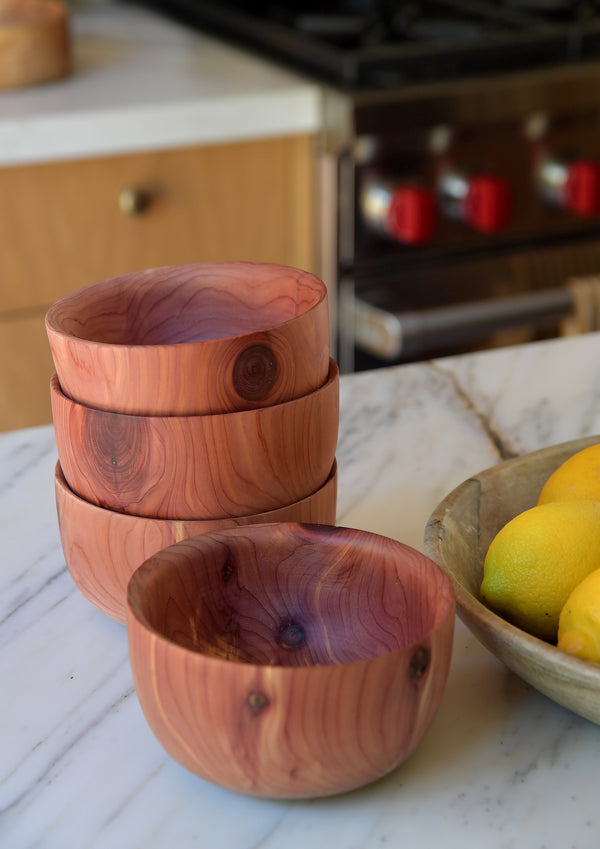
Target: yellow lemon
[(537, 559), (579, 623), (577, 479)]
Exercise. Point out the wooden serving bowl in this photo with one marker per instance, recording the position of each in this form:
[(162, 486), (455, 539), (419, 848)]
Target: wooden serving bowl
[(192, 339), (103, 548), (288, 660), (199, 467), (457, 537)]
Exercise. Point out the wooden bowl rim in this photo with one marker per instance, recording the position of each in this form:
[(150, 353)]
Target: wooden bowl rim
[(472, 610), (441, 618), (61, 482), (333, 376), (55, 329)]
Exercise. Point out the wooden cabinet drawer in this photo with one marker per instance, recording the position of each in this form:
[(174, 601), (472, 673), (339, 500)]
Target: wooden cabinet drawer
[(25, 373), (62, 226)]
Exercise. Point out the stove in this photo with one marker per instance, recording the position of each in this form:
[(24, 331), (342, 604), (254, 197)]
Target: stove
[(357, 44), (459, 161)]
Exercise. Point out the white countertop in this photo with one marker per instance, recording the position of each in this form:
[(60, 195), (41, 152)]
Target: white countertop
[(140, 82), (502, 767)]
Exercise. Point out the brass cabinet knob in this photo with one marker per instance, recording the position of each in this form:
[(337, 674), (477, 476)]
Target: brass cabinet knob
[(133, 201)]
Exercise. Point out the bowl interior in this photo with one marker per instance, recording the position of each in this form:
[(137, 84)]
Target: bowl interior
[(291, 595), (188, 303)]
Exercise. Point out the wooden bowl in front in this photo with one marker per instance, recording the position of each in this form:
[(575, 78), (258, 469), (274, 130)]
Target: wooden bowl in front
[(288, 660), (192, 339), (457, 537), (103, 548)]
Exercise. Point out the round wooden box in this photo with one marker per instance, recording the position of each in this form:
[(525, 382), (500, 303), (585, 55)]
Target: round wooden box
[(34, 42)]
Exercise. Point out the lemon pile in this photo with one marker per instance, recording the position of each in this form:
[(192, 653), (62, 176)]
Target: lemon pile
[(542, 569)]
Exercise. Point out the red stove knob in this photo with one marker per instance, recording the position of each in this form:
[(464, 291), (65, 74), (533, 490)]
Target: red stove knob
[(411, 215), (405, 212), (481, 200), (487, 203), (581, 193)]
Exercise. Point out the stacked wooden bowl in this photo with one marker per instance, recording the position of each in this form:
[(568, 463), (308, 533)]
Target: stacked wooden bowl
[(188, 399)]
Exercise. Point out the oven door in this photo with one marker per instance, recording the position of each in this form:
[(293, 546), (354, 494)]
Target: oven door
[(403, 315)]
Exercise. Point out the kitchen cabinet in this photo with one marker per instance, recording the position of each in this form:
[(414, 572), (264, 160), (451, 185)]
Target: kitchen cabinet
[(65, 224)]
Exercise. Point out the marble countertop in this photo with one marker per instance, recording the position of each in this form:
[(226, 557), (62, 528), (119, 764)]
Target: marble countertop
[(140, 81), (502, 766)]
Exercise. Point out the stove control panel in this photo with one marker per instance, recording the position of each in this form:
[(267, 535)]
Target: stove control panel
[(428, 191), (488, 186), (406, 210)]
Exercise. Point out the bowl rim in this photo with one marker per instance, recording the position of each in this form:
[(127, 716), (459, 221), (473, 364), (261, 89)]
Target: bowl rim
[(61, 481), (333, 377), (471, 609), (441, 619), (53, 328)]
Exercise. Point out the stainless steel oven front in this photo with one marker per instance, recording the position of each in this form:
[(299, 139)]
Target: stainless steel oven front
[(462, 211)]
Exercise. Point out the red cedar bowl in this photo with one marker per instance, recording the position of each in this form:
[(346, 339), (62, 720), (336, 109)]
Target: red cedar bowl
[(103, 548), (199, 467), (192, 339), (287, 660)]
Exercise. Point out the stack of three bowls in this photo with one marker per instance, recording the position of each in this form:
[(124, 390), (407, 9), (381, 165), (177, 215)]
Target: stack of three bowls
[(188, 399)]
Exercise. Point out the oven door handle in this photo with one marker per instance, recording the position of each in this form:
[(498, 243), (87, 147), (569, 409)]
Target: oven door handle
[(389, 335)]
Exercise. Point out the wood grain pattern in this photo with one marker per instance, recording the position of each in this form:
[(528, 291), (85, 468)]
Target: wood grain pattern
[(290, 661), (25, 371), (192, 339), (457, 537), (199, 467), (103, 548)]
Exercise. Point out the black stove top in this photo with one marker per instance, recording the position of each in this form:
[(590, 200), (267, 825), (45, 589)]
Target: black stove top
[(357, 44)]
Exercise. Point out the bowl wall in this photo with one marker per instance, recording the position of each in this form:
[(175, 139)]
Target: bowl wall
[(199, 467), (457, 537), (192, 339), (103, 548), (325, 652)]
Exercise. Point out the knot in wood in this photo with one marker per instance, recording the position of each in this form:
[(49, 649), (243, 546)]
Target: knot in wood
[(119, 445), (255, 372), (419, 662), (291, 635), (227, 571), (257, 701)]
